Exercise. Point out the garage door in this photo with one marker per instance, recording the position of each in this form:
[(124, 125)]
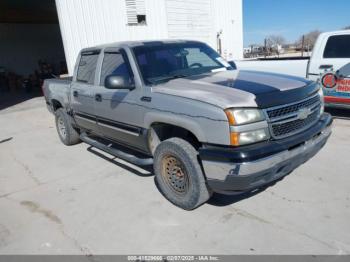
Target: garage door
[(189, 19)]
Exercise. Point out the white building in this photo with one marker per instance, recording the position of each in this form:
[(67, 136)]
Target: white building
[(92, 22), (34, 30)]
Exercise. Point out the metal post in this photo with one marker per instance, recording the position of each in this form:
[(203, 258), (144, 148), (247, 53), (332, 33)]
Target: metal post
[(302, 45)]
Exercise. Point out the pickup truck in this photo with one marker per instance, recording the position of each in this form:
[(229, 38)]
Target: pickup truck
[(329, 64), (330, 54), (203, 125)]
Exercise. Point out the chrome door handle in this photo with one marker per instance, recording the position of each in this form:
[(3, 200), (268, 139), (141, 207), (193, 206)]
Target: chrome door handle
[(98, 97)]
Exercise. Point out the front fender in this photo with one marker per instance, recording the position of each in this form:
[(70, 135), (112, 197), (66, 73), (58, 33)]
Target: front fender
[(176, 120)]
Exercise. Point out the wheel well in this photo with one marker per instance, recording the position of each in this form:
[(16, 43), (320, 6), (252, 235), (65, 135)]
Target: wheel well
[(56, 104), (162, 131)]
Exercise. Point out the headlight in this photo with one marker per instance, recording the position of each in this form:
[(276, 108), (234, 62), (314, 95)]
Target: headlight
[(247, 126), (244, 116), (320, 93), (249, 137)]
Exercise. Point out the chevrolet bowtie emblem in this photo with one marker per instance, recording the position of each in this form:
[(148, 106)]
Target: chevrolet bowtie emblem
[(304, 113)]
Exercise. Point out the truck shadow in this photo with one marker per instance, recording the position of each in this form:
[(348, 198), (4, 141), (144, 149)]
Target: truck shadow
[(338, 113), (114, 160), (221, 200)]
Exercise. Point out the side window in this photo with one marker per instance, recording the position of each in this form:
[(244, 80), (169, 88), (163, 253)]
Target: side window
[(337, 46), (87, 68), (115, 64)]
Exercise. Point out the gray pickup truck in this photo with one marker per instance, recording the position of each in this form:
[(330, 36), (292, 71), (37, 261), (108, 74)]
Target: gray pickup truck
[(177, 105)]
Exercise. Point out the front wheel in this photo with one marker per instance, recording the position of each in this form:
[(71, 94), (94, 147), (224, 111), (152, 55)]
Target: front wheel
[(179, 175)]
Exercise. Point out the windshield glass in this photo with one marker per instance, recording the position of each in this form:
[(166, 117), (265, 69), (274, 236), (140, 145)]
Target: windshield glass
[(165, 61)]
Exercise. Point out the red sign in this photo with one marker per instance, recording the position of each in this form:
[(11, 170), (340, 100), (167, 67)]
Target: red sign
[(329, 80), (344, 85)]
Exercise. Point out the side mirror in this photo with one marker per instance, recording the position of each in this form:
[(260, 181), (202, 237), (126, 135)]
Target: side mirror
[(232, 64), (118, 82)]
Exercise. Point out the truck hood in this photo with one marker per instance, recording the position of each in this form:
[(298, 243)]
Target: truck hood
[(236, 88)]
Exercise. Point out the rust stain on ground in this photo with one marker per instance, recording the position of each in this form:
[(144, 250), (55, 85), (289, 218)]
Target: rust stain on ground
[(35, 208)]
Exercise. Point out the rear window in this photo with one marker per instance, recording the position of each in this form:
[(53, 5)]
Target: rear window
[(338, 46), (87, 68)]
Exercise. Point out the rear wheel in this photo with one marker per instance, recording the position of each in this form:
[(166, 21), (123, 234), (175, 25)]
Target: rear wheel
[(67, 134), (179, 175)]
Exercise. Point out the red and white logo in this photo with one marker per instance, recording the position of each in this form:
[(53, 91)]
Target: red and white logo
[(329, 80)]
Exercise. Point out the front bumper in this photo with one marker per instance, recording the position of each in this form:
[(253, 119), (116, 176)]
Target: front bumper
[(241, 169)]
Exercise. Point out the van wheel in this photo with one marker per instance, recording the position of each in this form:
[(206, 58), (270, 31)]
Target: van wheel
[(68, 135), (179, 175)]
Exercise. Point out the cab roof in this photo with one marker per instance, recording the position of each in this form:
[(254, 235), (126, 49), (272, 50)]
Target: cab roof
[(131, 44)]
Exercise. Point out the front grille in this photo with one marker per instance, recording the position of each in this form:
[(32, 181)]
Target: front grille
[(285, 120), (293, 108), (293, 126)]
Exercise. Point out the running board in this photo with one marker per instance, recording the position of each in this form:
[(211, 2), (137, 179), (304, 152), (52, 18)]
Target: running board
[(117, 153)]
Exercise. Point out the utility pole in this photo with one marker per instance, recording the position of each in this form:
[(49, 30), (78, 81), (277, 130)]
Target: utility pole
[(218, 40), (265, 48), (302, 45)]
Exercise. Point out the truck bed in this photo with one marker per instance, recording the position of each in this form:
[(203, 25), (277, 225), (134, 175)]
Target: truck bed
[(59, 86)]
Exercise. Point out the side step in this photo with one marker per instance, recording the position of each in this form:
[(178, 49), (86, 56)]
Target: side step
[(116, 152)]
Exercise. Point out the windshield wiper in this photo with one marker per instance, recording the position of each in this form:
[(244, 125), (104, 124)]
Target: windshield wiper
[(162, 79)]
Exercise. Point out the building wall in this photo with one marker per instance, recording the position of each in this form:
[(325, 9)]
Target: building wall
[(87, 23), (228, 18), (203, 19), (190, 20), (21, 45)]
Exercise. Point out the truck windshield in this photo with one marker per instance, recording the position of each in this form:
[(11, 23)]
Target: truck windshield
[(165, 61)]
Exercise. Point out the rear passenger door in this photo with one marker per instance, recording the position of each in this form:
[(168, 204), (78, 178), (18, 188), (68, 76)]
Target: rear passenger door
[(118, 112), (83, 91)]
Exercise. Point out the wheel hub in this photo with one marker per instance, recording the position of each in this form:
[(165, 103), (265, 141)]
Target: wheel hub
[(175, 175), (61, 127)]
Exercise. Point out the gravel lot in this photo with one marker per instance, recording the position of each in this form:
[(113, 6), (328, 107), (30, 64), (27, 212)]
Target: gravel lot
[(71, 200)]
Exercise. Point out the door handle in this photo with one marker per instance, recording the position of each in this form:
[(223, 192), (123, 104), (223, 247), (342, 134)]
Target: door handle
[(75, 93), (325, 67), (98, 97)]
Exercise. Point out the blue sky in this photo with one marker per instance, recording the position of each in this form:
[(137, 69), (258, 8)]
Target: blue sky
[(292, 18)]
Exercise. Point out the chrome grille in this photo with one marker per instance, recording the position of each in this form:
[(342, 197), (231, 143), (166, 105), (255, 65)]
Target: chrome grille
[(293, 118)]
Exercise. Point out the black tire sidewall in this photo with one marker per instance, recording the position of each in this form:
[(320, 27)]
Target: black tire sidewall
[(191, 198), (60, 114)]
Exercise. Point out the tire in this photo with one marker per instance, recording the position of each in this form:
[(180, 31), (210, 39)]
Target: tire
[(68, 135), (179, 175)]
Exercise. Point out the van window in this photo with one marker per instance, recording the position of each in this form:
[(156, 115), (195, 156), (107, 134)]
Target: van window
[(87, 68), (115, 64), (338, 46)]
